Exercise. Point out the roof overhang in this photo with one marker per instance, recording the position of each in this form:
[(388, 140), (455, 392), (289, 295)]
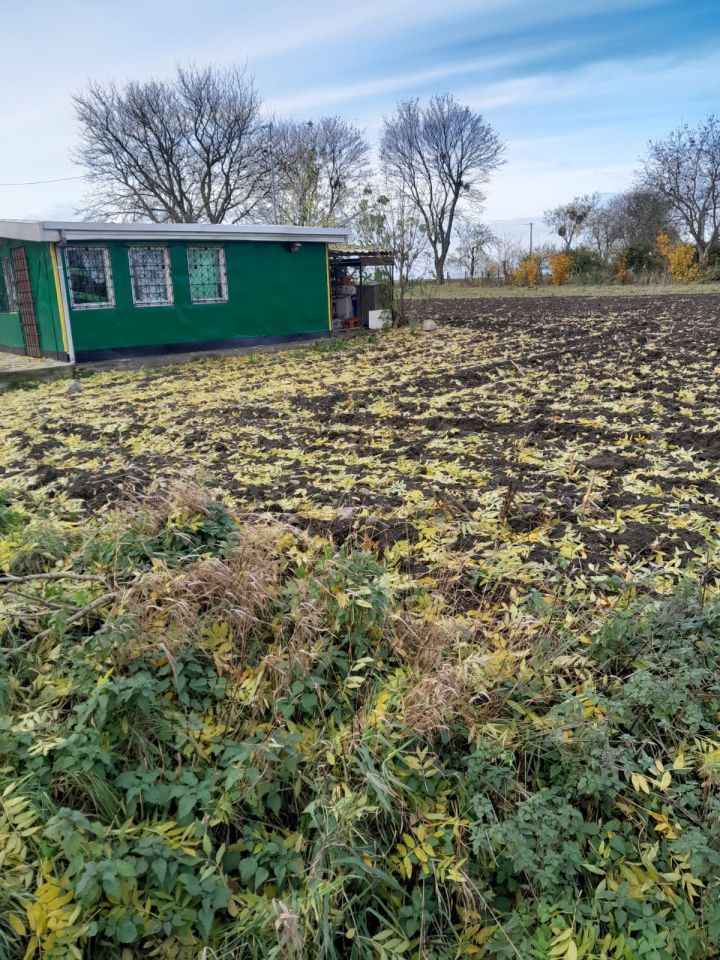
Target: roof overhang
[(58, 230), (353, 255)]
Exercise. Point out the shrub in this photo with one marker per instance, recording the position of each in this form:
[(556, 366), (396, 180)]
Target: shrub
[(711, 274), (587, 265), (680, 259), (641, 259), (621, 268), (528, 273), (560, 264)]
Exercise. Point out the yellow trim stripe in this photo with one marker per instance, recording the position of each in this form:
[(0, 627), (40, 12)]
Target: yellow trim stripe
[(327, 273), (58, 293)]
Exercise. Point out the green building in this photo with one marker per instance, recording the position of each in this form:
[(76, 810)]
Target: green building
[(95, 291)]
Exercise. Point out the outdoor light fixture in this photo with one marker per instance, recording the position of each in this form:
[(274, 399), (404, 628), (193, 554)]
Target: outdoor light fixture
[(294, 247)]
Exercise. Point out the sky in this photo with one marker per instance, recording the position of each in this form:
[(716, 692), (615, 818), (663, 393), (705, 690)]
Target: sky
[(575, 88)]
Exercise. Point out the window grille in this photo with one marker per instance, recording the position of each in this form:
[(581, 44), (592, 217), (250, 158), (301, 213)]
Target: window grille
[(150, 276), (90, 277), (208, 277), (8, 287)]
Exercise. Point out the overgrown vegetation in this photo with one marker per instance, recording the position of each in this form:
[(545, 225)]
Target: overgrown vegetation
[(224, 732), (436, 677)]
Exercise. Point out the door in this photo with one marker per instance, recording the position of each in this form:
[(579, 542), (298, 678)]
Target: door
[(26, 307)]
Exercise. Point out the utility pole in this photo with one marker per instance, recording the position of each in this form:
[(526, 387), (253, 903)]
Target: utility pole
[(531, 228)]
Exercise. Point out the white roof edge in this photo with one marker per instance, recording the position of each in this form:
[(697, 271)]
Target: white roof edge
[(55, 230), (33, 230)]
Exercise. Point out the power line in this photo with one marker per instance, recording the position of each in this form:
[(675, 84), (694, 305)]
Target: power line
[(32, 183)]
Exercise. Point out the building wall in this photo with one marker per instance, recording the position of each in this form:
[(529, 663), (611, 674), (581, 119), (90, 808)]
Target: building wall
[(47, 312), (271, 293)]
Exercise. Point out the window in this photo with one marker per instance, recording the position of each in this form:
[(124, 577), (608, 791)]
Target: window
[(208, 279), (90, 278), (150, 276), (8, 289)]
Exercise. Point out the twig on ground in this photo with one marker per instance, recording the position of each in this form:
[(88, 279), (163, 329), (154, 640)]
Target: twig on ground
[(64, 575), (78, 615)]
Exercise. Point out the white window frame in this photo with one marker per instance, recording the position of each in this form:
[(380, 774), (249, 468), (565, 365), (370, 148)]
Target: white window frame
[(10, 284), (168, 276), (222, 271), (110, 303)]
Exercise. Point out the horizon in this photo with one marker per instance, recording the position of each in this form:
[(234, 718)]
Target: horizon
[(575, 91)]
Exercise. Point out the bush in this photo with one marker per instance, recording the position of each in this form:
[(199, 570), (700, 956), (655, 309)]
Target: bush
[(621, 268), (560, 264), (680, 258), (528, 273), (641, 259), (711, 274), (587, 266)]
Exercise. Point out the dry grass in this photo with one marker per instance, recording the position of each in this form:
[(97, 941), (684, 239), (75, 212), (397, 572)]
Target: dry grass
[(430, 706), (423, 643), (237, 592), (459, 288), (175, 497)]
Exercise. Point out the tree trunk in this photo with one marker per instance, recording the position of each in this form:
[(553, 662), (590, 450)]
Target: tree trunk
[(440, 269)]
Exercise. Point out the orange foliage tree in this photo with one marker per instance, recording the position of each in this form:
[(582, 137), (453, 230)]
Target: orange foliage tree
[(680, 258), (623, 273), (559, 268), (528, 273)]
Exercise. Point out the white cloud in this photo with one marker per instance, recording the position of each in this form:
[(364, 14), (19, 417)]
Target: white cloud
[(276, 31), (591, 123), (332, 93), (614, 82)]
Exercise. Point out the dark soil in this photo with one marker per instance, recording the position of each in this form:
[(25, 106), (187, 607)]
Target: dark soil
[(520, 424)]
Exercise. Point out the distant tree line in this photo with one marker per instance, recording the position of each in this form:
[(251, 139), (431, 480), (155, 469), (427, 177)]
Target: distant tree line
[(603, 238), (669, 221), (199, 148)]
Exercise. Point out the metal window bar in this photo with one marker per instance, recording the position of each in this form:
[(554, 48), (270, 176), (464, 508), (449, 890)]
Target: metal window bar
[(8, 303), (150, 276), (207, 273), (26, 306), (90, 277)]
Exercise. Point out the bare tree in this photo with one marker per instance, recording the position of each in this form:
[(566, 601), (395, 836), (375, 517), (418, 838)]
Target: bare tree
[(474, 240), (321, 168), (569, 219), (437, 155), (187, 150), (641, 215), (388, 221), (603, 227), (685, 170), (507, 252)]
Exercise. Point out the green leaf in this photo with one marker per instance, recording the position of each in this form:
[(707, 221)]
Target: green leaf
[(248, 866), (274, 801), (308, 702), (111, 886), (185, 806), (126, 931), (159, 868)]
